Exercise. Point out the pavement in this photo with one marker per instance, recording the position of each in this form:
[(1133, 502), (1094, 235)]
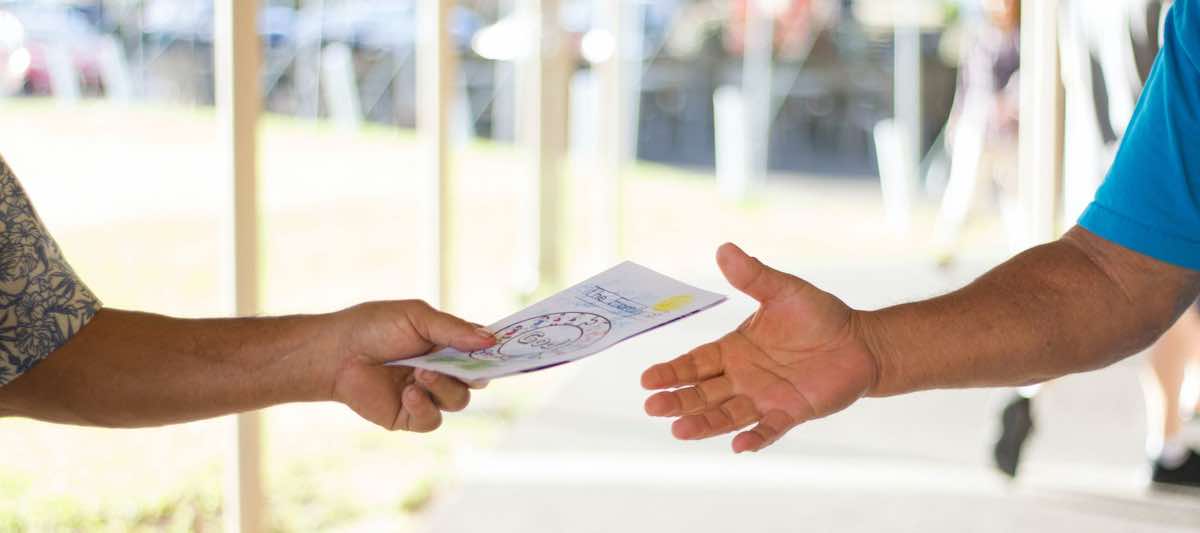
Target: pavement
[(589, 461)]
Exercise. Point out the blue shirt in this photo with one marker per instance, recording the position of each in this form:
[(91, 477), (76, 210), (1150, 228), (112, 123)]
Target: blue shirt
[(1150, 200)]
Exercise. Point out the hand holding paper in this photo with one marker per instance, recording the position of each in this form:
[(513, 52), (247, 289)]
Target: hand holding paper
[(617, 304), (399, 398)]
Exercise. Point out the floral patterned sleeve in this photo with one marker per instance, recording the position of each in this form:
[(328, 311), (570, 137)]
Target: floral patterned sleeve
[(42, 302)]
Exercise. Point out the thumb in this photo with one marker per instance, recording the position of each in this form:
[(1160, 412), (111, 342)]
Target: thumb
[(444, 329), (750, 276)]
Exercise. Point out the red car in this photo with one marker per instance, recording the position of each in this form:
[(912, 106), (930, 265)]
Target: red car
[(44, 30)]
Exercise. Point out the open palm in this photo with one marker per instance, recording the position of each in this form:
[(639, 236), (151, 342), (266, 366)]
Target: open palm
[(799, 357)]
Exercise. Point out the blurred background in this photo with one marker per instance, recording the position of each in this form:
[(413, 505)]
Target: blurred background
[(884, 150)]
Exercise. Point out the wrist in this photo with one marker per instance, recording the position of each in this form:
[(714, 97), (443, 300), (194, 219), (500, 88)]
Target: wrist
[(872, 331), (313, 363), (327, 355)]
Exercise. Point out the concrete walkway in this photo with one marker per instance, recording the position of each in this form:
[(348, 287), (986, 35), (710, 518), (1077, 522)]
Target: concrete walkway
[(588, 461)]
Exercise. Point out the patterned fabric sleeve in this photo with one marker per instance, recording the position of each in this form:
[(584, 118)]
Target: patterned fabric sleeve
[(42, 303)]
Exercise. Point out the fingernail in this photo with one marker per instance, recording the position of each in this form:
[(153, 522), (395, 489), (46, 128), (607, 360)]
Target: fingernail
[(410, 393), (425, 376), (483, 333)]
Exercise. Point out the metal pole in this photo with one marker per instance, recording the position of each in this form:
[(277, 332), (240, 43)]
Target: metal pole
[(236, 65), (435, 94), (1041, 128), (308, 66), (504, 91), (757, 79), (907, 102), (541, 129)]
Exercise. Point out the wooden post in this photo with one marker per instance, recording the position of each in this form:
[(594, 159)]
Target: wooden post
[(435, 96), (541, 131), (1040, 143), (236, 56), (615, 124)]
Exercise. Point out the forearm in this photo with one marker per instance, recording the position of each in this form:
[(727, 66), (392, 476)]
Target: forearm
[(128, 369), (1073, 305)]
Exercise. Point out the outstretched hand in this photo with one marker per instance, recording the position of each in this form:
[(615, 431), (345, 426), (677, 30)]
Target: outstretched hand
[(400, 397), (801, 356)]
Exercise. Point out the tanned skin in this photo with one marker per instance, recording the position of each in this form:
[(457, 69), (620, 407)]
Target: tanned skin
[(1076, 304), (129, 369)]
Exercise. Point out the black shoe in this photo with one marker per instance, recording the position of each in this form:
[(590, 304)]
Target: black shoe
[(1016, 423), (1187, 474)]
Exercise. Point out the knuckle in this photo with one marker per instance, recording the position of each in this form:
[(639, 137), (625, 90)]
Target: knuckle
[(400, 422), (718, 419), (729, 412), (463, 400), (415, 424), (676, 400), (427, 378), (429, 425), (456, 402), (413, 304)]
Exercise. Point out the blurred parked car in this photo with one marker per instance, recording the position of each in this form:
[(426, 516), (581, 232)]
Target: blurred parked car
[(45, 30)]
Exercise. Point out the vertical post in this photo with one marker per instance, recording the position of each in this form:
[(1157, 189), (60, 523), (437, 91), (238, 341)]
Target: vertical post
[(907, 107), (340, 86), (308, 66), (615, 123), (757, 94), (236, 56), (541, 129), (435, 97), (504, 88), (1041, 128)]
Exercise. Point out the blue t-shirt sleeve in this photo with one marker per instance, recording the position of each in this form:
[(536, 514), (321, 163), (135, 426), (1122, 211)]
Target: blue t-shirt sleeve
[(1150, 200)]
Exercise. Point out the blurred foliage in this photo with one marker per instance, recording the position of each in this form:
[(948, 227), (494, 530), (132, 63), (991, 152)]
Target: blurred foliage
[(340, 480), (27, 507)]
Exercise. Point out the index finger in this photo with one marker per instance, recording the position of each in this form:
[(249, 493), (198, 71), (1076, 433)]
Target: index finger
[(695, 366), (444, 329)]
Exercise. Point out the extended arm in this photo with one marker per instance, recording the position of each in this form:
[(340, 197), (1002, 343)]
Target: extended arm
[(64, 359), (129, 369), (1072, 305), (1076, 304)]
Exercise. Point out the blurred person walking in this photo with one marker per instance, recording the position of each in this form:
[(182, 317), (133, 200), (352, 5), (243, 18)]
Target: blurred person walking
[(982, 129), (1168, 362)]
